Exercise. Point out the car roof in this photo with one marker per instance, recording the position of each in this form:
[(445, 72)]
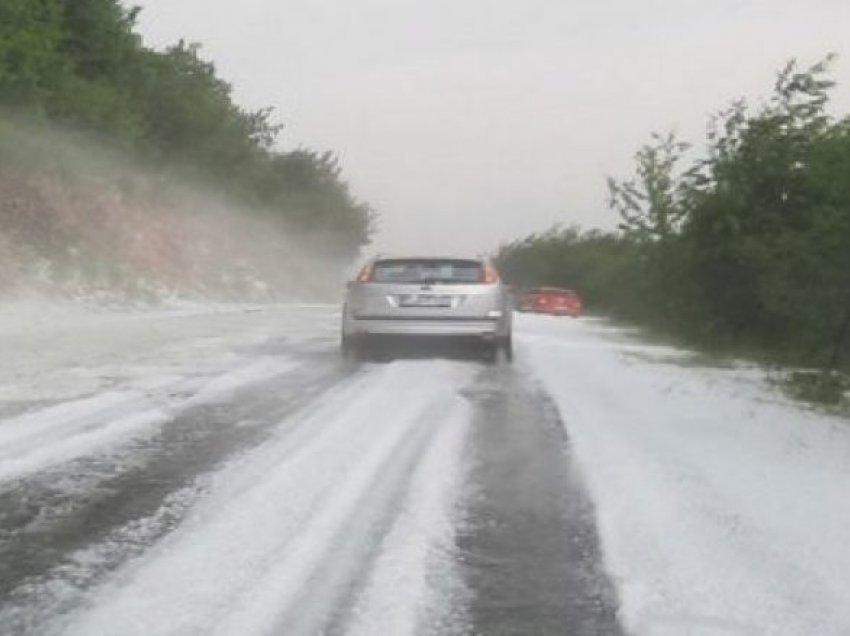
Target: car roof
[(428, 257)]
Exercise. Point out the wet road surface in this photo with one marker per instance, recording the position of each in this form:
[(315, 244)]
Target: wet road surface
[(414, 495), (531, 552)]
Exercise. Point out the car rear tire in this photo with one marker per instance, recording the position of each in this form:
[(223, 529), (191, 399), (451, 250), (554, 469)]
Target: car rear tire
[(352, 349), (500, 351), (507, 347)]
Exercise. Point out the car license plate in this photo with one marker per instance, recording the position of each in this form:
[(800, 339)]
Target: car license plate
[(425, 301)]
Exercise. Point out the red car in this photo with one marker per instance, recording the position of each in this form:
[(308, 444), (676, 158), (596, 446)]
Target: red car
[(552, 300)]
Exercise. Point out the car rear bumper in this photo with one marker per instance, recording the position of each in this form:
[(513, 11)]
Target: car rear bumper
[(482, 328)]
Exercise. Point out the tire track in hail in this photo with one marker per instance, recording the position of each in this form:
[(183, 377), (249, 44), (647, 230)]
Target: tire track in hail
[(63, 530), (295, 526)]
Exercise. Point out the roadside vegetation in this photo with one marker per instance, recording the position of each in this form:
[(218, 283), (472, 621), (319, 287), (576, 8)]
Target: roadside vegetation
[(745, 249), (79, 67)]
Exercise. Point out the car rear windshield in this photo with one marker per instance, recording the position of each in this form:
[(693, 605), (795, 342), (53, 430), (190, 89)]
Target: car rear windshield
[(424, 271)]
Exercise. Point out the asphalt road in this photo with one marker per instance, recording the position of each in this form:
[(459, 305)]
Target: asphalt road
[(411, 495), (531, 553)]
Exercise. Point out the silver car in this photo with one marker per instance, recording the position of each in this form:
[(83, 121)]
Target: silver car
[(427, 298)]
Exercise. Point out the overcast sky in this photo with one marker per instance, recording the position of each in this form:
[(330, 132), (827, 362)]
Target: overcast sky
[(470, 122)]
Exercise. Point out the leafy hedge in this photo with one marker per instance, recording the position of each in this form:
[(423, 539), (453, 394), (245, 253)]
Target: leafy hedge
[(747, 247)]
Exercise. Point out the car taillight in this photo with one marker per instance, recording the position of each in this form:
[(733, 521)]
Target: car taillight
[(489, 275), (365, 275)]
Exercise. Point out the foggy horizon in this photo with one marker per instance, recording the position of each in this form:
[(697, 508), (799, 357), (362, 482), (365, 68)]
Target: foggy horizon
[(465, 126)]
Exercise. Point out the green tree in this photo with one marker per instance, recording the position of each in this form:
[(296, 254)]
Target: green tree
[(648, 204), (81, 64), (31, 57), (762, 216)]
